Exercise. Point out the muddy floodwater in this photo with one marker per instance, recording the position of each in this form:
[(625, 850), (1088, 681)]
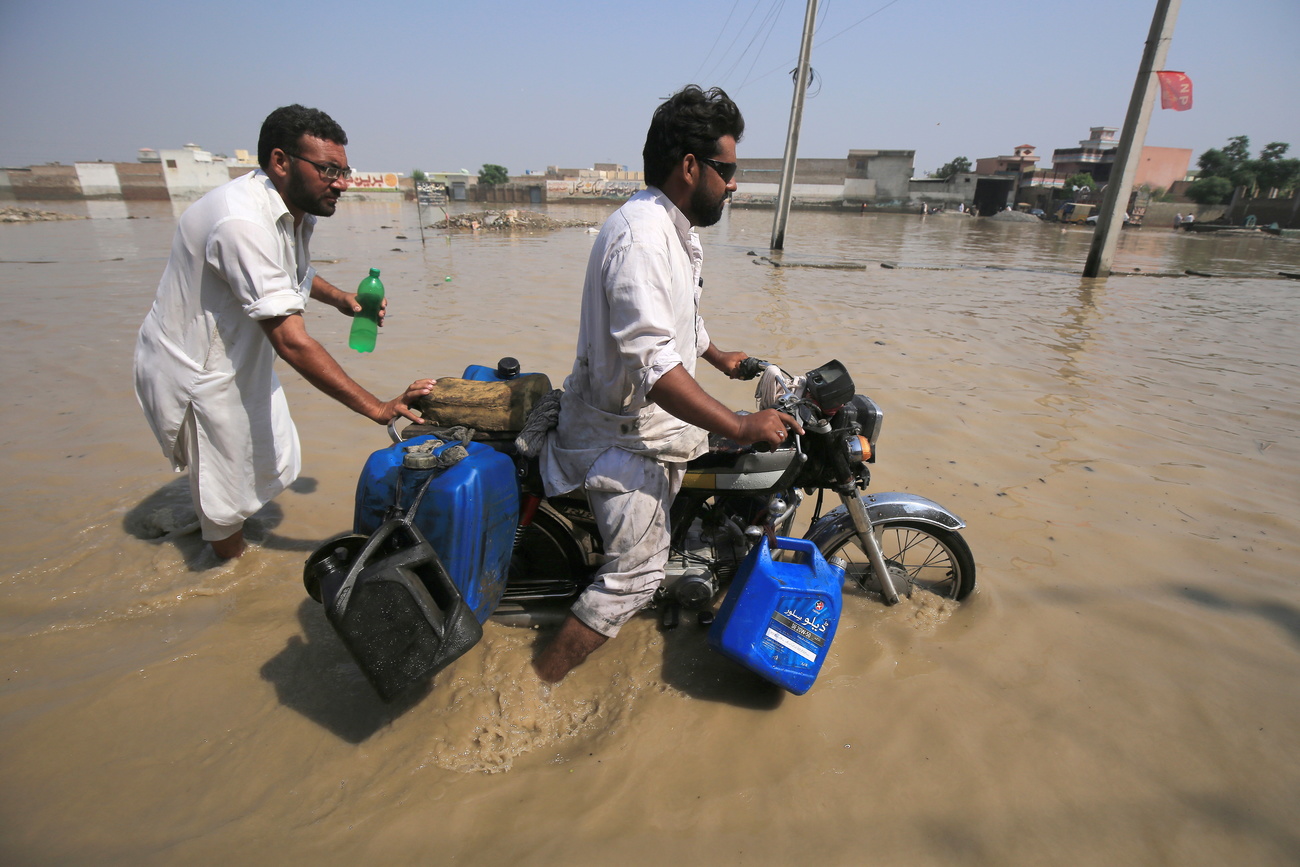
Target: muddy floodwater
[(1122, 689)]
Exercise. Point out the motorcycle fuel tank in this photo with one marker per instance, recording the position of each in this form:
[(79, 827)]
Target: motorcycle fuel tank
[(468, 513), (779, 618)]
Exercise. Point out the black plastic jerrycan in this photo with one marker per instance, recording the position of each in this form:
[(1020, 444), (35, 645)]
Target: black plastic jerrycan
[(393, 604)]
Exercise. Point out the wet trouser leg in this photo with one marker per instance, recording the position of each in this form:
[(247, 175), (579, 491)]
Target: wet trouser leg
[(634, 527)]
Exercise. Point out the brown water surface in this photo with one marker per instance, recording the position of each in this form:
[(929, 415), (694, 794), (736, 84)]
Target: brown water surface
[(1122, 689)]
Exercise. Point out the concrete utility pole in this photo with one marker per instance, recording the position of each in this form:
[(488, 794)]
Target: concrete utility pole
[(1111, 219), (792, 136)]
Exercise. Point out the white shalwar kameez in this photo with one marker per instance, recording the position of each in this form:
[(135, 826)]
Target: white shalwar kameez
[(640, 318), (203, 366)]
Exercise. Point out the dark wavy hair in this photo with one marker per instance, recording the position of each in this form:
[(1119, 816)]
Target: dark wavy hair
[(689, 122), (284, 126)]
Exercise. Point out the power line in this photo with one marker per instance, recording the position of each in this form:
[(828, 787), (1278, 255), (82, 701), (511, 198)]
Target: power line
[(768, 22), (860, 21), (721, 30), (773, 17), (739, 33)]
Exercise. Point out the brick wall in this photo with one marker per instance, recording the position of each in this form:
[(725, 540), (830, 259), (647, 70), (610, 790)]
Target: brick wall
[(45, 182), (142, 181)]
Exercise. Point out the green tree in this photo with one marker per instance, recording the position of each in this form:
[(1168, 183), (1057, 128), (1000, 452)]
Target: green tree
[(1080, 181), (950, 169), (1238, 149), (1233, 165), (1232, 162), (417, 175), (1273, 171), (1214, 163), (1274, 150), (1211, 191), (493, 174)]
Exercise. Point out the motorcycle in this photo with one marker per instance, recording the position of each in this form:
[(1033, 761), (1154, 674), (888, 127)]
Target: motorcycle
[(521, 557), (890, 544)]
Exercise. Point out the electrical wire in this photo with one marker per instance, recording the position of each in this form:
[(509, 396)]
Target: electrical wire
[(713, 47), (759, 53), (823, 42), (740, 31), (764, 29)]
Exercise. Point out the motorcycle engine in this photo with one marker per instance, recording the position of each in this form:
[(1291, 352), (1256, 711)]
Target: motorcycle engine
[(690, 585), (694, 572)]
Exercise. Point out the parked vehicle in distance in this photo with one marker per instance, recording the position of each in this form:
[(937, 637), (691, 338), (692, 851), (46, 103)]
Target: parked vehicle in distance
[(1073, 212)]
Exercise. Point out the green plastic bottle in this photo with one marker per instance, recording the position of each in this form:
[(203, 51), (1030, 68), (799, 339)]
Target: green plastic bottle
[(365, 325)]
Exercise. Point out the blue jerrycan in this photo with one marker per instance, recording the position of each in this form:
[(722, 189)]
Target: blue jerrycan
[(778, 618), (468, 512)]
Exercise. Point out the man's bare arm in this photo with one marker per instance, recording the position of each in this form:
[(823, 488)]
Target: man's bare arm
[(289, 337), (727, 362), (679, 394), (346, 303)]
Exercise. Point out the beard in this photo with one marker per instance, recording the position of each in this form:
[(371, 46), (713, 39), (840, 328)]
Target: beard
[(706, 209), (300, 197)]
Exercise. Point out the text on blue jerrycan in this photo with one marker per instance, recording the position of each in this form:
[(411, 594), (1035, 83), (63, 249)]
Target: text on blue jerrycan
[(468, 514), (778, 618)]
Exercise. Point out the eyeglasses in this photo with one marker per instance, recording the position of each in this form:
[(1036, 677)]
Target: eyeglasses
[(726, 171), (327, 171)]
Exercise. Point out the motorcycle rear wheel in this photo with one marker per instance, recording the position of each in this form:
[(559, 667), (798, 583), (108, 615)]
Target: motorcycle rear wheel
[(920, 556), (549, 560)]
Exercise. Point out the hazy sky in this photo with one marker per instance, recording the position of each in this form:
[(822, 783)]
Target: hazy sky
[(450, 85)]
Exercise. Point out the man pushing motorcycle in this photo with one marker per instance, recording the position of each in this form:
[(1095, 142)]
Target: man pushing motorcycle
[(632, 413)]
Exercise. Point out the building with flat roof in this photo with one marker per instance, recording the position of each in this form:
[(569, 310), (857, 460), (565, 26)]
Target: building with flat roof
[(1021, 160), (863, 176)]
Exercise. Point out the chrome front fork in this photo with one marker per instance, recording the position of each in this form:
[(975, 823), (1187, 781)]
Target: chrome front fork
[(867, 539)]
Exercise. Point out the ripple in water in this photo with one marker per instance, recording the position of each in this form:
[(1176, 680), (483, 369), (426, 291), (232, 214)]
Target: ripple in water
[(493, 710)]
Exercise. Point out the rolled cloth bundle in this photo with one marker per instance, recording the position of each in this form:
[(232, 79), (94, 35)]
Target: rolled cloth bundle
[(545, 415)]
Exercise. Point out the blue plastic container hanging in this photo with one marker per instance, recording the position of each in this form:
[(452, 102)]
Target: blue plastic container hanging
[(778, 619)]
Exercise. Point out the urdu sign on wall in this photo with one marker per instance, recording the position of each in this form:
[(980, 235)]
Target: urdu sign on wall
[(373, 181)]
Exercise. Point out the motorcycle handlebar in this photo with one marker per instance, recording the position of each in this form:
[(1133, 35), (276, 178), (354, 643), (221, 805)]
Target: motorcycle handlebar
[(750, 368)]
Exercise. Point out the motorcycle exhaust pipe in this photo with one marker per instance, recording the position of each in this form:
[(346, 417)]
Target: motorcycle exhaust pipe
[(530, 618)]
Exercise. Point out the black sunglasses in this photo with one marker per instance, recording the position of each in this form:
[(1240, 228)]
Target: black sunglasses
[(726, 171), (327, 172)]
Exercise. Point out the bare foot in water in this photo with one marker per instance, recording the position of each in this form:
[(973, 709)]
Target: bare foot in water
[(230, 547), (573, 644)]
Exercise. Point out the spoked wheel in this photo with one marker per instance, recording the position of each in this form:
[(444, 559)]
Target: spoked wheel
[(920, 556)]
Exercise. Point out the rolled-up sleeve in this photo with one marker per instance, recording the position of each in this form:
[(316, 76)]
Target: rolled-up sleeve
[(638, 286), (248, 256)]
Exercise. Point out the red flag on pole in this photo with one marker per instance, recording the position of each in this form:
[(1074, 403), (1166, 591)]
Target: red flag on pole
[(1175, 90)]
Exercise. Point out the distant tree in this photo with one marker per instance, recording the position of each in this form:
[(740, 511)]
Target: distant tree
[(493, 174), (1274, 150), (950, 169), (1211, 191), (1273, 171), (1238, 149), (1232, 162), (1214, 163), (1080, 181), (417, 175)]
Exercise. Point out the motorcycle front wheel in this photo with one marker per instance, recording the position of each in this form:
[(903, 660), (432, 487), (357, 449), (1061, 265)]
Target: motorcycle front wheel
[(920, 556)]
